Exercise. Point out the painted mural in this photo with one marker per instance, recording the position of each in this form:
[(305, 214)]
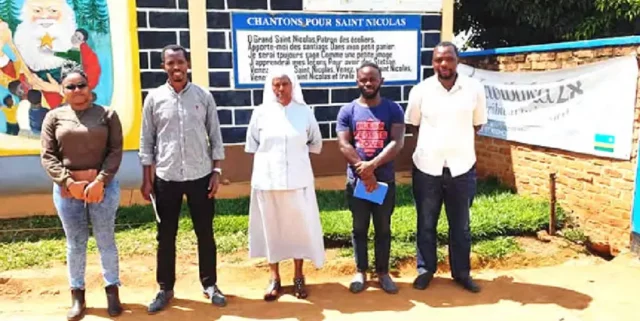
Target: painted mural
[(42, 38)]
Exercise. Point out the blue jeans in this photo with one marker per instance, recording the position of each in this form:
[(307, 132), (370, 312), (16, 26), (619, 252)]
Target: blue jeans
[(457, 194), (75, 221)]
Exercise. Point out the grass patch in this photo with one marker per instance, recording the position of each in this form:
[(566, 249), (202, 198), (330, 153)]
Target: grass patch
[(497, 212), (575, 235), (400, 252), (497, 248)]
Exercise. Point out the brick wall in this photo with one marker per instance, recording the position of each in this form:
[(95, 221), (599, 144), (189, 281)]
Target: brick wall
[(162, 22), (597, 191)]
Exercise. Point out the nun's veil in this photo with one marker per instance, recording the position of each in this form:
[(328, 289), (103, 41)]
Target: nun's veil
[(268, 96)]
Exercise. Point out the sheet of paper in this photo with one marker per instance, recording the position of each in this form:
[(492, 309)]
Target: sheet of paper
[(155, 209)]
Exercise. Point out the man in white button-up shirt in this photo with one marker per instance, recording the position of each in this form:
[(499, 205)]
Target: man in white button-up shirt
[(445, 111)]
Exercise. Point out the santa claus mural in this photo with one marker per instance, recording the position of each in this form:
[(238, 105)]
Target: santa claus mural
[(45, 41)]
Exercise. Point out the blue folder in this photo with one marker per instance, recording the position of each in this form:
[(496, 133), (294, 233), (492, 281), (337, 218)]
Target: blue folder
[(377, 196)]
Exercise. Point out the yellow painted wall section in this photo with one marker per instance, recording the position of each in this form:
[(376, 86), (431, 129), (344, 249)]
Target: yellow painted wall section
[(198, 42), (446, 33), (132, 140)]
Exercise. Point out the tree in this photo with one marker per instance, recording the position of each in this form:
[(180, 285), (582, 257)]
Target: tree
[(499, 23), (102, 17), (93, 15), (79, 10), (9, 13)]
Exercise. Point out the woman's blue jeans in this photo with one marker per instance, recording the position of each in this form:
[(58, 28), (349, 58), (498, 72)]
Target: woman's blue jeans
[(75, 217)]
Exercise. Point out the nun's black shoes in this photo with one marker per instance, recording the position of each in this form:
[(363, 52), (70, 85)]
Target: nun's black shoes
[(273, 290), (299, 288)]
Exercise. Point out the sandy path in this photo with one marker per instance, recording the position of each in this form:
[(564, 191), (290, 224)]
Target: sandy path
[(581, 289)]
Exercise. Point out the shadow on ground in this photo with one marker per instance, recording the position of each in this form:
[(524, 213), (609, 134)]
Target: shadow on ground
[(442, 293)]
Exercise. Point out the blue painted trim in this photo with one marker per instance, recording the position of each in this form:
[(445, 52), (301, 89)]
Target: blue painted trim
[(635, 208), (585, 44), (323, 22), (234, 53), (419, 57), (239, 21)]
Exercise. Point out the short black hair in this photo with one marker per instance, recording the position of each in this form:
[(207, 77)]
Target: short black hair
[(34, 96), (13, 86), (84, 33), (174, 48), (450, 44), (6, 99), (70, 69), (370, 64)]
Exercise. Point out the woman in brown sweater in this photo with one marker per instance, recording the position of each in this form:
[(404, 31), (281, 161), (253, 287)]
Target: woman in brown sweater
[(81, 153)]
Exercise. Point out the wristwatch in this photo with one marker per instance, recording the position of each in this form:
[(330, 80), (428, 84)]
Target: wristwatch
[(218, 170)]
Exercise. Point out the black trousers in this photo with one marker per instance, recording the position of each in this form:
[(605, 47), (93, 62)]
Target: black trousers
[(169, 196), (362, 212), (457, 194)]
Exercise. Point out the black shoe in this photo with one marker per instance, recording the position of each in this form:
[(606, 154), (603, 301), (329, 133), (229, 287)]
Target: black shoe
[(468, 284), (216, 296), (114, 307), (300, 288), (78, 305), (422, 281), (358, 283), (387, 284), (160, 302), (273, 290)]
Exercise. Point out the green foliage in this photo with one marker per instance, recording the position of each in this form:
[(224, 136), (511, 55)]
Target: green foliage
[(10, 13), (92, 15), (230, 243), (400, 252), (101, 19), (575, 235), (499, 23), (78, 9), (497, 212), (498, 248), (491, 216)]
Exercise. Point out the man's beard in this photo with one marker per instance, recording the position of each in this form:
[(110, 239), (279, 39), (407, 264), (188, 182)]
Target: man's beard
[(372, 95), (177, 78), (452, 75), (27, 40)]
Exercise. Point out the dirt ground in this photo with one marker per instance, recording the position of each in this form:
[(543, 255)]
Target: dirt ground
[(548, 281)]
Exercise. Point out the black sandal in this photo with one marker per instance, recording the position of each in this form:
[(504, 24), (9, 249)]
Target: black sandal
[(274, 286), (299, 289)]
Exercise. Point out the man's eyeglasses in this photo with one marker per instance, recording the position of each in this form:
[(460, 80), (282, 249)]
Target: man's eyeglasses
[(73, 87)]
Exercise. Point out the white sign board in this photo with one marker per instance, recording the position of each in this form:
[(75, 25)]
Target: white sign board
[(325, 50), (374, 5), (588, 109)]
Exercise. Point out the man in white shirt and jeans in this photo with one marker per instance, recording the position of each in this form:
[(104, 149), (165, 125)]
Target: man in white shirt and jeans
[(445, 111)]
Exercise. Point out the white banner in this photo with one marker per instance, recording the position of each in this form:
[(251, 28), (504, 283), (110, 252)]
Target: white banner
[(325, 49), (374, 5), (588, 109)]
